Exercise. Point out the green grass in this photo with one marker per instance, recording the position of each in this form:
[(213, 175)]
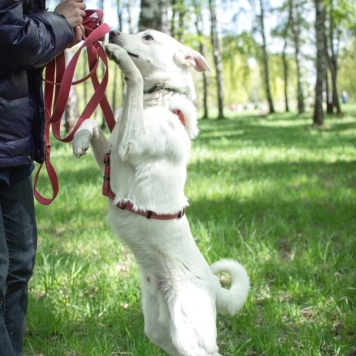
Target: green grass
[(272, 192)]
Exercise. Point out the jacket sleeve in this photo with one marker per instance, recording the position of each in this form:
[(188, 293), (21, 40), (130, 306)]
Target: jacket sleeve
[(30, 41)]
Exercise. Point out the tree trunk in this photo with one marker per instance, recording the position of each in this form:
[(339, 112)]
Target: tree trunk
[(328, 96), (174, 6), (285, 75), (71, 112), (318, 117), (328, 99), (205, 97), (102, 70), (295, 19), (335, 95), (85, 72), (116, 67), (284, 56), (129, 6), (198, 22), (154, 14), (265, 60), (178, 10), (332, 58), (217, 58)]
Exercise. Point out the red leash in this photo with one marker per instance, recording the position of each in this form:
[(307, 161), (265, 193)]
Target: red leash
[(58, 82)]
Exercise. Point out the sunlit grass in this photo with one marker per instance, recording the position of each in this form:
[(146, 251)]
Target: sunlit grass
[(272, 192)]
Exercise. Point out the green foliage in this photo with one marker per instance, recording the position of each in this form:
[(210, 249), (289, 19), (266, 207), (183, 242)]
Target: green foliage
[(347, 66), (272, 192), (342, 14), (237, 71)]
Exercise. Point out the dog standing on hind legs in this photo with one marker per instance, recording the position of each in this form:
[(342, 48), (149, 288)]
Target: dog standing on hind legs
[(149, 150)]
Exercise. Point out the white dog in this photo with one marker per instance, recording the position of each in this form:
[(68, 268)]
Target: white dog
[(149, 148)]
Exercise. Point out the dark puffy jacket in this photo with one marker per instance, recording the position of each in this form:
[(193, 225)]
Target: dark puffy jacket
[(29, 38)]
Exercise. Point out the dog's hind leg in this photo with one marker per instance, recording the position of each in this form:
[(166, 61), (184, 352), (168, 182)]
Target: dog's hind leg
[(156, 314), (193, 320)]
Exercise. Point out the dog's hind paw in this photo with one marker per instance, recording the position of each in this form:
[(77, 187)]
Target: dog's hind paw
[(81, 142)]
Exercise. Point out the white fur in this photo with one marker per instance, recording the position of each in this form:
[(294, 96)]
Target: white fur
[(150, 150)]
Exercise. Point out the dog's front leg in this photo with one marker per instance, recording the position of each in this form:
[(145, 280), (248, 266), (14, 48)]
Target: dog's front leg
[(131, 125), (89, 133)]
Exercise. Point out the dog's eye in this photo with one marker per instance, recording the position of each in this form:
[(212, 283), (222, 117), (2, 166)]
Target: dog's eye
[(148, 38)]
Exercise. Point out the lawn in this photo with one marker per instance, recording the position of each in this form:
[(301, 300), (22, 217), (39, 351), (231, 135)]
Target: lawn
[(272, 192)]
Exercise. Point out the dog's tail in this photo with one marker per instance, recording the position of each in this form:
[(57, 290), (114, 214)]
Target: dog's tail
[(231, 300)]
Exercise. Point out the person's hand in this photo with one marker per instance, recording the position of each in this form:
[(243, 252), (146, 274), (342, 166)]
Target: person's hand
[(79, 31), (73, 11)]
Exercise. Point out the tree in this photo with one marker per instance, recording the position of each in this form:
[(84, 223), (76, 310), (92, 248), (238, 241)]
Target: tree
[(261, 19), (198, 22), (328, 99), (71, 112), (116, 67), (283, 30), (103, 122), (238, 57), (154, 14), (337, 18), (178, 9), (215, 42), (318, 117), (346, 81), (296, 20)]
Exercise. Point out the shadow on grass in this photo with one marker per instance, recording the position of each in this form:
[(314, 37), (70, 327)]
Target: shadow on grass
[(297, 202), (286, 130)]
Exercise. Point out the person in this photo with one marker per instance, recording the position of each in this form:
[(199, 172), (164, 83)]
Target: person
[(344, 96), (30, 37)]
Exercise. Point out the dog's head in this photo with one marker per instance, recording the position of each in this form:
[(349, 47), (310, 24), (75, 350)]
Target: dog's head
[(161, 59)]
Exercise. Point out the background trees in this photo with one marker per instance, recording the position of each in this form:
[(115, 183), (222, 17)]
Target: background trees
[(264, 54)]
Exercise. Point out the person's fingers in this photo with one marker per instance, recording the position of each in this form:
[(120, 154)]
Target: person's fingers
[(78, 34), (73, 11)]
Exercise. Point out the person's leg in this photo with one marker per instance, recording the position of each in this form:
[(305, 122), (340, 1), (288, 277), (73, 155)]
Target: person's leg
[(18, 214), (5, 343)]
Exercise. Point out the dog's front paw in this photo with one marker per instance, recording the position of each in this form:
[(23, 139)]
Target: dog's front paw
[(81, 142), (116, 53), (124, 61)]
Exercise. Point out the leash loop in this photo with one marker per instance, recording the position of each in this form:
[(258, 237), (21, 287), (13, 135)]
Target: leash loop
[(58, 82)]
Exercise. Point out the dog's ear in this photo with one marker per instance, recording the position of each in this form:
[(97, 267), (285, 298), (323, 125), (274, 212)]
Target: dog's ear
[(189, 57)]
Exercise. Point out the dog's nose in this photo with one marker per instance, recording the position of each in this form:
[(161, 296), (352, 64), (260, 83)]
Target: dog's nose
[(113, 34)]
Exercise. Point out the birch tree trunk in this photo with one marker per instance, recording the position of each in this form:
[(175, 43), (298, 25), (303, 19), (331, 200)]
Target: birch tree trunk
[(217, 58), (296, 30), (332, 58), (285, 75), (328, 99), (129, 5), (178, 10), (285, 35), (102, 70), (318, 117), (265, 59), (154, 14), (198, 23), (71, 112), (335, 20)]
